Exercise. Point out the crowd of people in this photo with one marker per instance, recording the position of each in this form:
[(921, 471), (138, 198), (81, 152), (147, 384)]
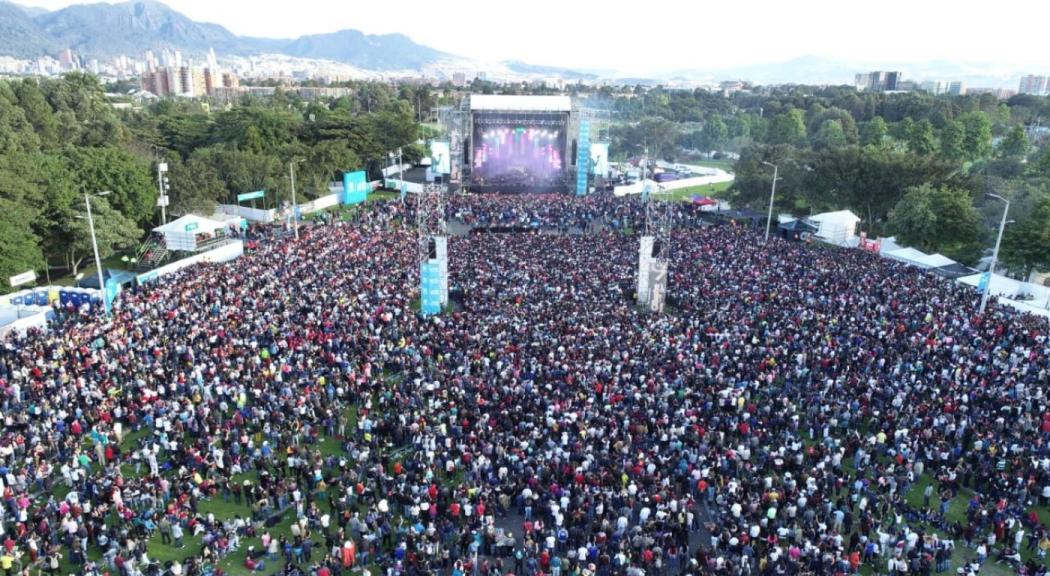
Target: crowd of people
[(557, 212), (796, 411)]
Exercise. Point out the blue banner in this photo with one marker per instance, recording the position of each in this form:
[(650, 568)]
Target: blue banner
[(110, 294), (430, 288), (982, 285), (583, 157), (355, 187)]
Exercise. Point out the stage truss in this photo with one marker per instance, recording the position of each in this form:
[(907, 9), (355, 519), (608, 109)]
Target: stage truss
[(455, 122), (430, 219)]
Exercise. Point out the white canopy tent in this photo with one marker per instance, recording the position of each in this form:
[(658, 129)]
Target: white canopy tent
[(183, 234), (935, 261), (838, 228), (907, 255), (998, 285)]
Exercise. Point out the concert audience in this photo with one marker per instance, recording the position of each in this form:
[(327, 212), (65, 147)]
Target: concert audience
[(795, 411)]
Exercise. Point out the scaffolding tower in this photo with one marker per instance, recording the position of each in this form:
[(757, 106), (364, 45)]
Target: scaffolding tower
[(455, 123), (432, 248), (654, 255)]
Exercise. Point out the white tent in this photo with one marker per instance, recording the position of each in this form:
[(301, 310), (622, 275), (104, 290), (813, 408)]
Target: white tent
[(998, 286), (183, 234), (888, 244), (935, 261), (838, 228), (907, 255)]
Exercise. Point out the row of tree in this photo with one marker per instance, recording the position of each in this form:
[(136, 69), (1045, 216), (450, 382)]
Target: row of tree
[(62, 139)]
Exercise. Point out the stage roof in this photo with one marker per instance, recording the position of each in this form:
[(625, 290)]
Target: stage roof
[(496, 103)]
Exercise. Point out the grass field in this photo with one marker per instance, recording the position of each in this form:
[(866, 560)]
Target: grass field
[(234, 562), (727, 165), (714, 190)]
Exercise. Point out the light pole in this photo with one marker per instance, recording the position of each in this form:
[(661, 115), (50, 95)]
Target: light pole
[(772, 195), (94, 240), (400, 172), (295, 207), (995, 253), (162, 185)]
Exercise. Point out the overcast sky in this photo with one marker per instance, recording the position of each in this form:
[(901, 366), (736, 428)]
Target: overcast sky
[(661, 35)]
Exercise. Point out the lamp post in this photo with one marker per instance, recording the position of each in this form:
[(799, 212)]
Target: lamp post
[(94, 240), (772, 195), (295, 206), (162, 185), (995, 253)]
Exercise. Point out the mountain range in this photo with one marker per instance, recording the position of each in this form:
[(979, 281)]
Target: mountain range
[(106, 30)]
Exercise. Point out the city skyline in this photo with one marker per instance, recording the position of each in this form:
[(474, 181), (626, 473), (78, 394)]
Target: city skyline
[(676, 39)]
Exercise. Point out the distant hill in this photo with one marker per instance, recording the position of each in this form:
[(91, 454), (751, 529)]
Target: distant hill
[(107, 30), (104, 30), (385, 52), (523, 68), (20, 35)]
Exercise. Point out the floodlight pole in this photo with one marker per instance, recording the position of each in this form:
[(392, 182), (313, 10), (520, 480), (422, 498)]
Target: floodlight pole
[(295, 206), (995, 254), (401, 174), (162, 168), (94, 243), (772, 195)]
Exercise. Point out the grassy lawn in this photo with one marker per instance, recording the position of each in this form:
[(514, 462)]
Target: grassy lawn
[(727, 165), (234, 562), (714, 190), (956, 513)]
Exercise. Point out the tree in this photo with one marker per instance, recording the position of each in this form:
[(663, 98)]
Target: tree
[(873, 132), (952, 137), (195, 187), (1015, 145), (845, 120), (19, 247), (868, 180), (113, 232), (111, 168), (913, 217), (921, 139), (977, 135), (1026, 245), (715, 133), (1040, 165), (938, 220), (830, 135), (787, 128), (902, 130)]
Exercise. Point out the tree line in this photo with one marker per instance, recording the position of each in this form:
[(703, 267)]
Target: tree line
[(914, 165), (61, 139)]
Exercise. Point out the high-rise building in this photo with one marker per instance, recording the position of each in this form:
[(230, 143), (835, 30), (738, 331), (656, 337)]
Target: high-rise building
[(957, 88), (934, 86), (878, 81), (1034, 85)]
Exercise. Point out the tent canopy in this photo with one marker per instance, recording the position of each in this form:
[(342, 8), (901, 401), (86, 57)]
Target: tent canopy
[(190, 223), (935, 261), (838, 217), (907, 255)]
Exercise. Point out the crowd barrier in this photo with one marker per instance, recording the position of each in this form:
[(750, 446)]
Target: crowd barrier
[(231, 251)]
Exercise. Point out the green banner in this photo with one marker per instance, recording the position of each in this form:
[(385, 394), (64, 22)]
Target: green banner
[(251, 195)]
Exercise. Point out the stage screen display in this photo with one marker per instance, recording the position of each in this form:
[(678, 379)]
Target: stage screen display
[(440, 157), (519, 152), (599, 158)]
